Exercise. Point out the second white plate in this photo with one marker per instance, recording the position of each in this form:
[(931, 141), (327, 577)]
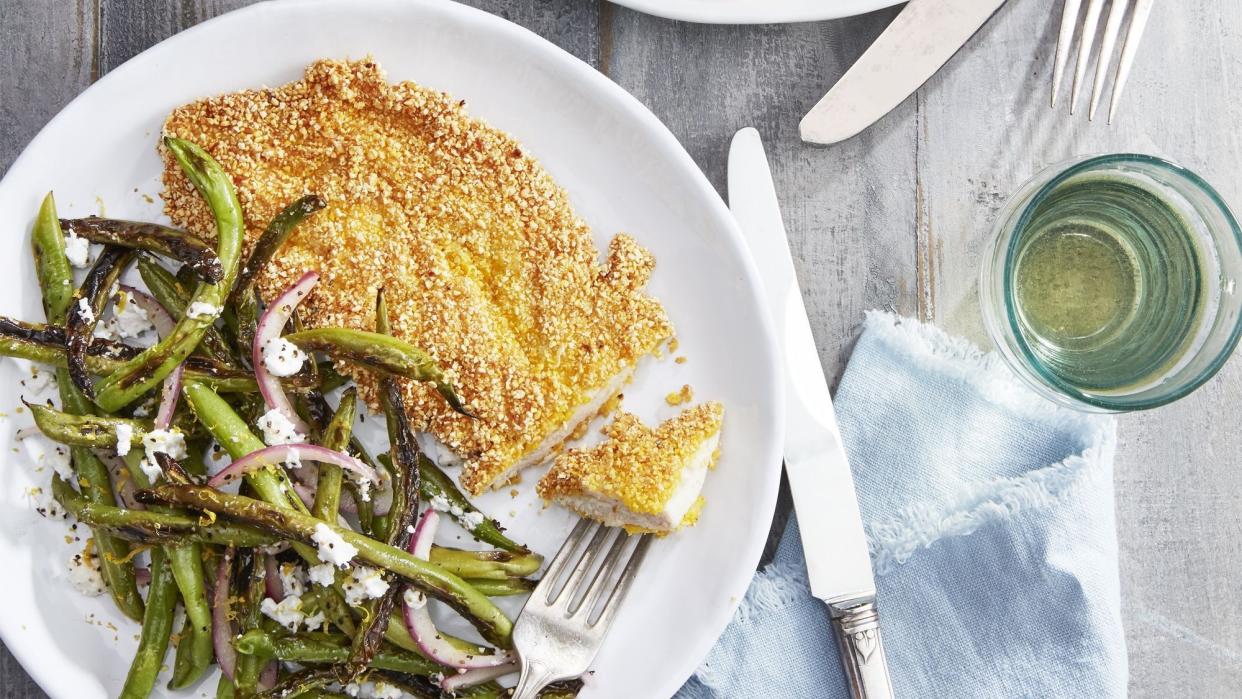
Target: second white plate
[(755, 11)]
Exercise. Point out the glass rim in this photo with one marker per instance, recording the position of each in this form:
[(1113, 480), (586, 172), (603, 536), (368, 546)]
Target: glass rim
[(1077, 166)]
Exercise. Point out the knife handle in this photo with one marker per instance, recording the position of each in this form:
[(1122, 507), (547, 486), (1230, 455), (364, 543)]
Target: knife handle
[(857, 628)]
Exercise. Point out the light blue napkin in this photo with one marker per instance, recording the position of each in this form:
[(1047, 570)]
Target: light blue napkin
[(989, 513)]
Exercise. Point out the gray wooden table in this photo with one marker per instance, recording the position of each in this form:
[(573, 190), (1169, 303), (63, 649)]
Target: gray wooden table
[(894, 219)]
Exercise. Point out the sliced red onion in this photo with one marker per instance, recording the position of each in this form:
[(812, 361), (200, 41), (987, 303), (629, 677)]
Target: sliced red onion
[(282, 453), (305, 493), (142, 576), (221, 625), (461, 680), (158, 315), (271, 324), (168, 398), (271, 578), (418, 618)]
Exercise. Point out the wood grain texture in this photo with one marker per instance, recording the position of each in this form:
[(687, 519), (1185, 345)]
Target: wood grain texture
[(985, 127), (893, 219)]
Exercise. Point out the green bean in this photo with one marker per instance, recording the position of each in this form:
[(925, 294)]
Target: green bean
[(56, 286), (147, 370), (180, 245), (88, 306), (437, 484), (271, 484), (86, 430), (273, 237), (503, 588), (235, 436), (492, 565), (195, 652), (46, 344), (379, 352), (336, 436), (332, 649), (249, 666), (432, 579), (175, 298), (300, 684), (51, 265), (156, 629)]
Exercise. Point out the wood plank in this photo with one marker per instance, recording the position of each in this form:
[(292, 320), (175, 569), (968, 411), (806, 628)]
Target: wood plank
[(848, 208), (131, 26), (47, 56), (985, 127)]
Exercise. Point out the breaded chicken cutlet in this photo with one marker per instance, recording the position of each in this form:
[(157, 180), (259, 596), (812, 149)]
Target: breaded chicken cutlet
[(483, 262)]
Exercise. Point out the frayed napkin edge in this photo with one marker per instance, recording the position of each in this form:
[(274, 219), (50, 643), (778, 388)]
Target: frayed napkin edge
[(893, 540)]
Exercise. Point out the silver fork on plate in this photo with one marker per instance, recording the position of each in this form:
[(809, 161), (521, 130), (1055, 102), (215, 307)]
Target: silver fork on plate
[(1090, 24), (560, 629)]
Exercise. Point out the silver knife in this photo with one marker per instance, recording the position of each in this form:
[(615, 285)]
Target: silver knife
[(919, 41), (837, 562)]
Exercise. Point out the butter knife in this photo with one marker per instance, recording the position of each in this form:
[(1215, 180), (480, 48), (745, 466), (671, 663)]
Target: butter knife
[(918, 42), (837, 561)]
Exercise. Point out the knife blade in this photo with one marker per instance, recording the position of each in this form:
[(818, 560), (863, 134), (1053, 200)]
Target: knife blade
[(918, 42), (838, 565)]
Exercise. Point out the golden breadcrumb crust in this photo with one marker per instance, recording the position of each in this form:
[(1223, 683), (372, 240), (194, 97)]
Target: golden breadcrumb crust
[(483, 261), (636, 465)]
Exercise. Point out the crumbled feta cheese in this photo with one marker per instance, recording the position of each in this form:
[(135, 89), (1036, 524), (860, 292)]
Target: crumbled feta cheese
[(472, 519), (170, 442), (104, 331), (413, 598), (124, 433), (323, 574), (469, 520), (278, 429), (85, 310), (77, 250), (373, 690), (364, 583), (364, 487), (383, 690), (291, 579), (84, 572), (144, 409), (129, 319), (332, 548), (48, 454), (152, 469), (315, 621), (200, 309), (288, 612), (282, 358)]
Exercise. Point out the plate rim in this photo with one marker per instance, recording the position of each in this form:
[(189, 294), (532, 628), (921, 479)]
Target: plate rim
[(774, 12), (43, 675)]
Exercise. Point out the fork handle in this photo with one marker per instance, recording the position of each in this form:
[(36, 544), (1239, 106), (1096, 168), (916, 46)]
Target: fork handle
[(857, 628), (535, 676)]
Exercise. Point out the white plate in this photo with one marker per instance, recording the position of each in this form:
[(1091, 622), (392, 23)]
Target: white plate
[(624, 172), (755, 11)]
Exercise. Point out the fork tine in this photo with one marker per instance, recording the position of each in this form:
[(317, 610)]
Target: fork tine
[(1115, 14), (623, 583), (1069, 22), (570, 590), (1090, 23), (1138, 22), (557, 566), (601, 577)]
